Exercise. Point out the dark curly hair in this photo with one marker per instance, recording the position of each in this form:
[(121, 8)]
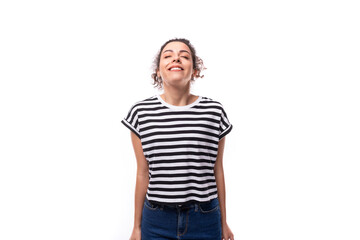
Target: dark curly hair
[(197, 62)]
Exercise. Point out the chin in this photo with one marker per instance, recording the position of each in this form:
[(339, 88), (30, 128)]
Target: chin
[(177, 79), (177, 82)]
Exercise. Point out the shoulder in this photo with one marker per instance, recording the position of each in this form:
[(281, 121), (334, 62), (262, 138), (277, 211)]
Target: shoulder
[(211, 101), (139, 105), (144, 102)]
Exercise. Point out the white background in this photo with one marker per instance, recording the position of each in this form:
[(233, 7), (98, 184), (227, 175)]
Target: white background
[(287, 73)]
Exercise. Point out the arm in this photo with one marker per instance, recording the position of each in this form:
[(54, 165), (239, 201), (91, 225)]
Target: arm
[(142, 181), (220, 183)]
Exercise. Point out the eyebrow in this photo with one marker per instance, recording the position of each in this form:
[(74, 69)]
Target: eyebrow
[(169, 50)]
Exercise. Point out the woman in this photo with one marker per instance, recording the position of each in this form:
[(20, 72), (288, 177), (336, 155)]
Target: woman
[(178, 140)]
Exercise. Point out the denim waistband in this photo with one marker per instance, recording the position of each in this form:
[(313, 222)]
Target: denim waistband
[(179, 206)]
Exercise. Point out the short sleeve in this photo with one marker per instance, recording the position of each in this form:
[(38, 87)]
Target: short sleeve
[(131, 120), (225, 125)]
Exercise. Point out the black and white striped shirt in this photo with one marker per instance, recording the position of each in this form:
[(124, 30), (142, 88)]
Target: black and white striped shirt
[(180, 144)]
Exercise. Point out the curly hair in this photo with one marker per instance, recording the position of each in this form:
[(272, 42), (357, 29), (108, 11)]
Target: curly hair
[(198, 64)]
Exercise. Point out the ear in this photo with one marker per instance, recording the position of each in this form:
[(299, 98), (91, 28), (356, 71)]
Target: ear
[(195, 73), (158, 73)]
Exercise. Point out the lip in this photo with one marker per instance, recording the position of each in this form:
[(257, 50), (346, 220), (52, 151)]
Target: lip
[(175, 66)]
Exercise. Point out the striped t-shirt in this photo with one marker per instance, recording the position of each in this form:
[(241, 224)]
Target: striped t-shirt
[(180, 144)]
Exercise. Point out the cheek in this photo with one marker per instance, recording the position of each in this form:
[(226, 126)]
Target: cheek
[(163, 64), (190, 65), (162, 68)]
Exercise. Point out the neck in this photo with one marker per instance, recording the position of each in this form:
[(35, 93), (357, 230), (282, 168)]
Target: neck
[(178, 96)]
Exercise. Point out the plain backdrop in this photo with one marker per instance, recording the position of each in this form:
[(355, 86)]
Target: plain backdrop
[(287, 73)]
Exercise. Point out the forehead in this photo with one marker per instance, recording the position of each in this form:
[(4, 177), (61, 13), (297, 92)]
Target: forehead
[(176, 47)]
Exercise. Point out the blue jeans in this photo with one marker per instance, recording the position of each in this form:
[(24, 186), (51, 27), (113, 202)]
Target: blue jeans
[(195, 221)]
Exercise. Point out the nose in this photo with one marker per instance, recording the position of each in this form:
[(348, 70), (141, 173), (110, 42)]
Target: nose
[(176, 59)]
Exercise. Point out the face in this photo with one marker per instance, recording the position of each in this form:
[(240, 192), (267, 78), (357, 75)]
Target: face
[(176, 66)]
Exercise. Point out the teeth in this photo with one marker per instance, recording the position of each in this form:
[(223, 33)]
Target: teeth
[(175, 68)]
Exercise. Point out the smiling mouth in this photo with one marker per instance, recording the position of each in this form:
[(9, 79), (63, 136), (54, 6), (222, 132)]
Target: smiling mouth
[(175, 69)]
